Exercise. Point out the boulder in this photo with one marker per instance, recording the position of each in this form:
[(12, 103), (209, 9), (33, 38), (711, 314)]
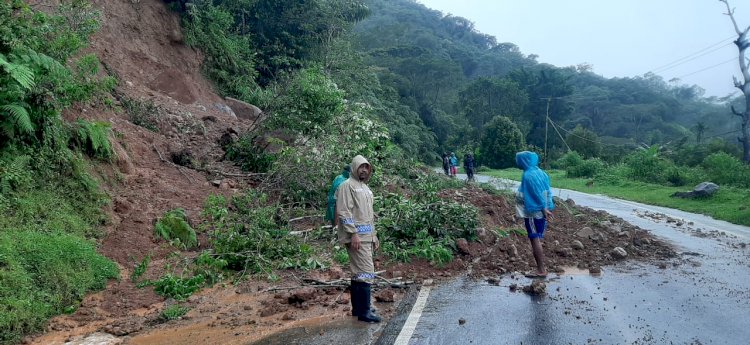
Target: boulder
[(225, 109), (703, 190), (243, 110)]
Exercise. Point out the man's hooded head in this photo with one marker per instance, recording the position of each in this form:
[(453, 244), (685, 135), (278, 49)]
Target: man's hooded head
[(361, 168)]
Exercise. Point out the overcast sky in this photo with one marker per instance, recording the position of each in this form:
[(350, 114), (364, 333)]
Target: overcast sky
[(686, 39)]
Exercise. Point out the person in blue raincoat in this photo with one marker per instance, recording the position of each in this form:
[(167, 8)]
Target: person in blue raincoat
[(454, 164), (534, 203), (331, 210)]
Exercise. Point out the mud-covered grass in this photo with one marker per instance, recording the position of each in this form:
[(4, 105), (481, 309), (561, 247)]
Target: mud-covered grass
[(729, 203)]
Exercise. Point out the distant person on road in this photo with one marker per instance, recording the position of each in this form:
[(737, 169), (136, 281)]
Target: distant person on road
[(331, 209), (469, 166), (356, 230), (534, 203), (454, 164), (446, 163)]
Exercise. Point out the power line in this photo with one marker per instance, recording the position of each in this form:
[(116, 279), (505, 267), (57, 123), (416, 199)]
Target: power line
[(709, 67), (725, 133), (686, 61), (723, 43)]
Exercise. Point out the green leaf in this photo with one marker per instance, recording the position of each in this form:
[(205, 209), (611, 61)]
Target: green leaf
[(20, 73), (18, 117)]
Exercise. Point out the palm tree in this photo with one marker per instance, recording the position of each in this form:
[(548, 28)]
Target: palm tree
[(700, 129)]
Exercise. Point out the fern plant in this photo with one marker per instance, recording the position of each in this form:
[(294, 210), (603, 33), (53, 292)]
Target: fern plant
[(14, 174), (93, 137), (17, 79)]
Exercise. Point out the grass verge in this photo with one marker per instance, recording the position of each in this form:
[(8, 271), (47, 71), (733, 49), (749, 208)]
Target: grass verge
[(729, 204)]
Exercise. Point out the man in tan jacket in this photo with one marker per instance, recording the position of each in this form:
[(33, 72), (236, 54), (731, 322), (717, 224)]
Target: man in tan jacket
[(356, 229)]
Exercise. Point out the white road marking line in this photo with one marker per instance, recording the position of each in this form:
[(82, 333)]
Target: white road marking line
[(411, 322)]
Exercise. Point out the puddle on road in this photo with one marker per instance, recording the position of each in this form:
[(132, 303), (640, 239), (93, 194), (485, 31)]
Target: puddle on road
[(208, 333), (342, 331), (575, 271)]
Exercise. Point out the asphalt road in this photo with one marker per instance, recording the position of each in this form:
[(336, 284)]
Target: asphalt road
[(702, 297)]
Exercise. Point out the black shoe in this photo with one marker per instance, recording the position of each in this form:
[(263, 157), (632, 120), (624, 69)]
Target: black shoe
[(364, 293), (369, 317)]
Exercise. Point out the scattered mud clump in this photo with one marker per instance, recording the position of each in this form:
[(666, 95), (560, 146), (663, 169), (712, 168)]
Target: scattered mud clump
[(536, 288)]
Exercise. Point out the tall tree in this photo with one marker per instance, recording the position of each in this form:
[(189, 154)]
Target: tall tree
[(486, 98), (742, 44), (501, 139)]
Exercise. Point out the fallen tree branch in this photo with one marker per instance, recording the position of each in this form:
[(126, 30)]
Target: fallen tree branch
[(178, 167), (304, 217)]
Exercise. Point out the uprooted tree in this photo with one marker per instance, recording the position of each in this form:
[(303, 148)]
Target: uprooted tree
[(742, 44)]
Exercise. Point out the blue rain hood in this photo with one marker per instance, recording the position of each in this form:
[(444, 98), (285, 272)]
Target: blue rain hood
[(535, 185)]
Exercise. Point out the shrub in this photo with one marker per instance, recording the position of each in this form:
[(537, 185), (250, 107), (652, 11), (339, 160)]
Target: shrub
[(723, 168), (142, 113), (62, 197), (575, 166), (340, 255), (647, 166), (249, 155), (424, 246), (676, 177), (140, 269), (174, 227), (173, 312), (401, 218)]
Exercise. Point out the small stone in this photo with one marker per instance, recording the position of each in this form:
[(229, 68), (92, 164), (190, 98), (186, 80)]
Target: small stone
[(577, 245), (618, 253), (462, 245), (461, 321), (385, 296)]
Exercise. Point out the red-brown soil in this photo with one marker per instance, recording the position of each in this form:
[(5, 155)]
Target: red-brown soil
[(141, 43)]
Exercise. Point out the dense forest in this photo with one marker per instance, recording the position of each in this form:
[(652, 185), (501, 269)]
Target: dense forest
[(457, 79), (436, 82)]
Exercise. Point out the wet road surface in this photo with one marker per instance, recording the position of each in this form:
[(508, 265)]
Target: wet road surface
[(701, 297)]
